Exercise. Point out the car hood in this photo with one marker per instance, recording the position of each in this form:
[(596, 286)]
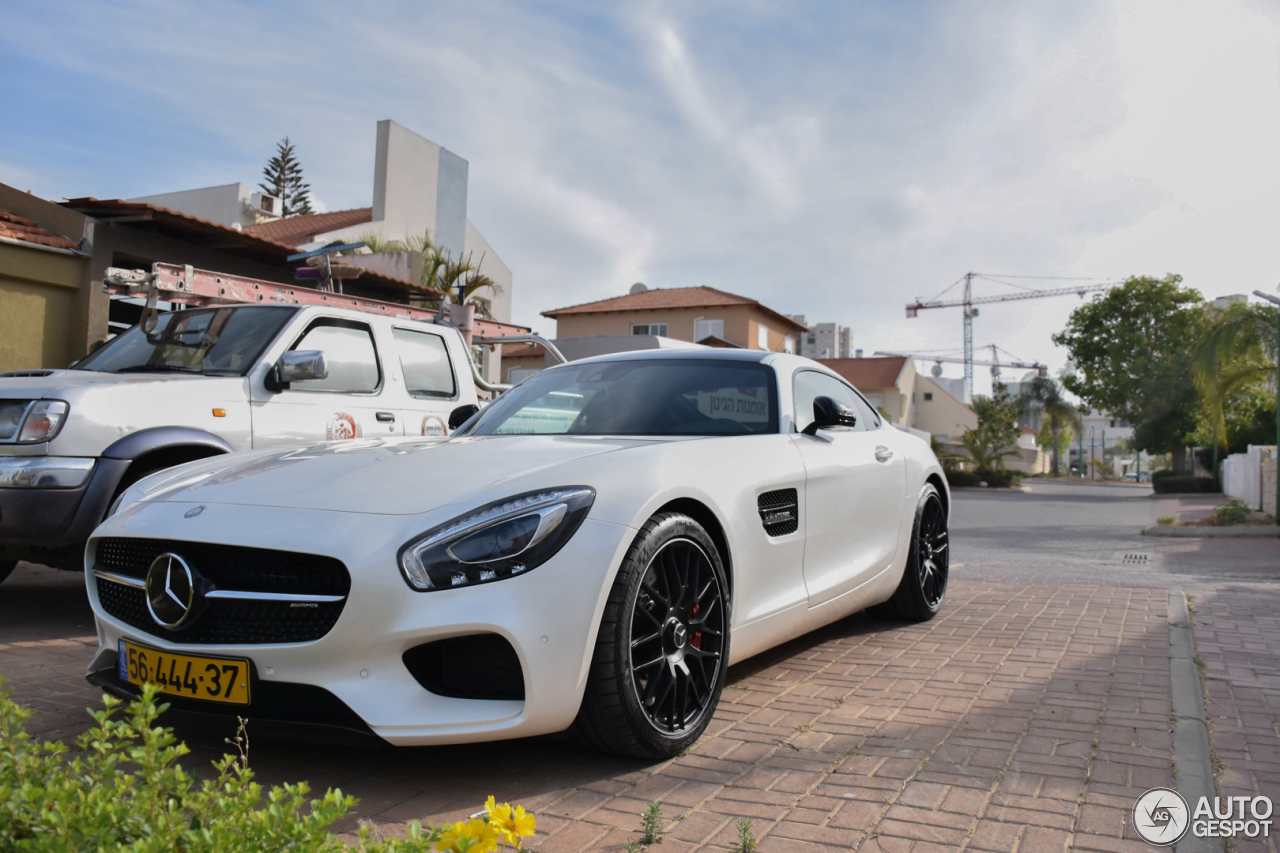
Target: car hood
[(59, 384), (381, 476)]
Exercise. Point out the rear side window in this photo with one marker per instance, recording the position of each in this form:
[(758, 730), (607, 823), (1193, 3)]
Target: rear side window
[(349, 354), (425, 361)]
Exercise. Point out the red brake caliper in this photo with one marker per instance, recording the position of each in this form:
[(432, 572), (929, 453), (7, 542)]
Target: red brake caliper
[(696, 641)]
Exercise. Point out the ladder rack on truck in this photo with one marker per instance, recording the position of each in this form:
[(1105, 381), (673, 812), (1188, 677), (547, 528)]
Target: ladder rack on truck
[(187, 285)]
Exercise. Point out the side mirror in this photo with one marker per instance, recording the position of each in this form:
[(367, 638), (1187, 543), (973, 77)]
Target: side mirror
[(827, 413), (461, 415), (296, 366)]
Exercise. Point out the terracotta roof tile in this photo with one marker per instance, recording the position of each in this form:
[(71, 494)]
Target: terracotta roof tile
[(673, 297), (296, 230), (868, 372), (16, 227)]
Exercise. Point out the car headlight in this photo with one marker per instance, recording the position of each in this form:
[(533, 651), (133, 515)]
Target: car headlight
[(497, 541), (43, 421)]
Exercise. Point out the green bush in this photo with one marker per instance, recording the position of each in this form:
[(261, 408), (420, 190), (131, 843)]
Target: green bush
[(1171, 485), (1234, 511), (122, 789), (961, 478)]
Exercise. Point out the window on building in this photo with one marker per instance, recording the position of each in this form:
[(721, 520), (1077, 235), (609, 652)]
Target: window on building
[(762, 336), (928, 395), (649, 329), (703, 329)]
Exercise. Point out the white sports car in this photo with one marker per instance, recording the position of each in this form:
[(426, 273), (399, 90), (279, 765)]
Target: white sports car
[(588, 553)]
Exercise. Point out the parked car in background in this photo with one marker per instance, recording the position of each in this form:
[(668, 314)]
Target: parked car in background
[(206, 382), (590, 551)]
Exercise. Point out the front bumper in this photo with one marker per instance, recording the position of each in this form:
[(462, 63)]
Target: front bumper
[(550, 617), (34, 514)]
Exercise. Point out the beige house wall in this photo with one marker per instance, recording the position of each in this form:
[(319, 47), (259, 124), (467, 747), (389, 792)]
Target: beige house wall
[(40, 309), (896, 400), (944, 416), (741, 324)]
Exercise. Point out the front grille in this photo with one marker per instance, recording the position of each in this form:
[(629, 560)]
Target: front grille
[(228, 621), (779, 512), (481, 666)]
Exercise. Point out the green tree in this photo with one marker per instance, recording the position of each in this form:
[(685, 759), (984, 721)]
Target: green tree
[(1234, 365), (996, 434), (1055, 445), (1130, 356), (283, 178), (1060, 414), (440, 271)]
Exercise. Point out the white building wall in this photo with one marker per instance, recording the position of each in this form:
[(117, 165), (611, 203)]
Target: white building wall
[(227, 204)]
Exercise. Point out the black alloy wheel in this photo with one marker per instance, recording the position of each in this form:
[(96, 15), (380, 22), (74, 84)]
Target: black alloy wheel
[(663, 646), (924, 580), (677, 627)]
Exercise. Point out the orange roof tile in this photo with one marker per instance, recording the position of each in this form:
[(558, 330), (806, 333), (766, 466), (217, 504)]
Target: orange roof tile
[(673, 297), (296, 230), (868, 372), (16, 227)]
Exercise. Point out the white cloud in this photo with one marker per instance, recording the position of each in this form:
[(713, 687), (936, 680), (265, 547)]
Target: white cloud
[(831, 159)]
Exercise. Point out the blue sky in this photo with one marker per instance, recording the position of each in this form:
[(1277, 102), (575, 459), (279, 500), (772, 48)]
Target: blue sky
[(834, 159)]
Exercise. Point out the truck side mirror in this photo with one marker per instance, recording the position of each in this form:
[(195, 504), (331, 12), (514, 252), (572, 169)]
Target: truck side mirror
[(827, 413), (296, 366), (461, 415)]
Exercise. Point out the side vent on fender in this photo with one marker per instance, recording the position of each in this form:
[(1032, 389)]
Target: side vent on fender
[(779, 512)]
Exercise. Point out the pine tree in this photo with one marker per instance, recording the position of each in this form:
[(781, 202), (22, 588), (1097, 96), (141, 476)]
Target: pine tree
[(283, 176)]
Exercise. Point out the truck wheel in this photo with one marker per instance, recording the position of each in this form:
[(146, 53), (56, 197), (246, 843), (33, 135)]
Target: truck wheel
[(6, 568)]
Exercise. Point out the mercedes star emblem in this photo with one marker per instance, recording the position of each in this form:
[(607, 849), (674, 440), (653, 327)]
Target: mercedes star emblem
[(171, 590)]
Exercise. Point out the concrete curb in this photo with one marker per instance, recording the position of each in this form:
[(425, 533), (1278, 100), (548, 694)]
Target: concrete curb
[(1249, 532), (1192, 759)]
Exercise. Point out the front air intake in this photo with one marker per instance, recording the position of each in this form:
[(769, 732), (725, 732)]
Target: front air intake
[(779, 512), (481, 666)]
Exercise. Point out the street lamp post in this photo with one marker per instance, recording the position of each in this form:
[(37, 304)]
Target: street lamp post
[(1276, 454)]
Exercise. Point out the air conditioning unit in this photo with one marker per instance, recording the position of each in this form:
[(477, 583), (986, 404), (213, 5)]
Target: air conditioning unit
[(267, 205)]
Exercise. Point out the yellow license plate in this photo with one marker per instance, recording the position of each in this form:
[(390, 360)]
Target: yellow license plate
[(212, 679)]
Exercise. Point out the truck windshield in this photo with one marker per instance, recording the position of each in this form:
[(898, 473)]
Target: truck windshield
[(209, 341), (658, 397)]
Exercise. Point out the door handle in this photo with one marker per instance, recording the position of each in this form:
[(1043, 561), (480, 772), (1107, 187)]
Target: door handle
[(386, 417), (883, 454)]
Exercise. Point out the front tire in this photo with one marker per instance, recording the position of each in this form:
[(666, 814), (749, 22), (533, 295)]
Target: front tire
[(923, 588), (660, 657)]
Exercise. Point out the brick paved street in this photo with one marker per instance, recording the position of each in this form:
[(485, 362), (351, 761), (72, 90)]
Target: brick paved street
[(1028, 716)]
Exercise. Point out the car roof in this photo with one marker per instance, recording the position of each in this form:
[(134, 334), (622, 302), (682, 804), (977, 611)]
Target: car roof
[(683, 354)]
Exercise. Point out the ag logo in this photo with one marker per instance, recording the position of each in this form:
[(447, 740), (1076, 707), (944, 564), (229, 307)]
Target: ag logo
[(1161, 816), (432, 425), (342, 426)]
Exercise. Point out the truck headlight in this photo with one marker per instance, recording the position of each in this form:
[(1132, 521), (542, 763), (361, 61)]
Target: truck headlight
[(44, 419), (497, 541)]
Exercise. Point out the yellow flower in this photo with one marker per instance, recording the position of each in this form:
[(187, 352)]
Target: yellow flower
[(513, 824), (469, 836)]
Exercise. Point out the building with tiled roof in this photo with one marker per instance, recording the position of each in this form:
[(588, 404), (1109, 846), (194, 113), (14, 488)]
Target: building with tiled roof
[(296, 230), (20, 229), (684, 313)]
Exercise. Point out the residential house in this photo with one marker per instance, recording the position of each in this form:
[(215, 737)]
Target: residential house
[(694, 314), (888, 383), (939, 412), (44, 290)]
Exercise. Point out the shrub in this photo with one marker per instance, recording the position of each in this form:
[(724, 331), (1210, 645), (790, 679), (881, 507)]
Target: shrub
[(1234, 511), (1166, 520), (123, 789), (1173, 484), (961, 478)]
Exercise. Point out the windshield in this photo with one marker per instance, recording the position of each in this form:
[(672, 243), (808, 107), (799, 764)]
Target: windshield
[(666, 397), (216, 341)]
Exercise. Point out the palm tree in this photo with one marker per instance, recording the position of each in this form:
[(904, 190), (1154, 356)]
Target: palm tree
[(1047, 392), (458, 278), (1236, 352)]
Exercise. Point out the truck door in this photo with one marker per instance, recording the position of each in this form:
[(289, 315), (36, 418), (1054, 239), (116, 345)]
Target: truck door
[(430, 380), (353, 401)]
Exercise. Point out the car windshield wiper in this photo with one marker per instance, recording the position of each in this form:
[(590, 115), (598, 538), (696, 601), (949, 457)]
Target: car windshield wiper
[(159, 368)]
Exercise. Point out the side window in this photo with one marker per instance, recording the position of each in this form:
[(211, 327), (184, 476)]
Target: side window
[(810, 384), (425, 360), (349, 354)]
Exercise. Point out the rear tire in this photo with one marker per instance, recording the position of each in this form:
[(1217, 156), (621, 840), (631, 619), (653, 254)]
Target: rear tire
[(6, 568), (663, 647), (923, 589)]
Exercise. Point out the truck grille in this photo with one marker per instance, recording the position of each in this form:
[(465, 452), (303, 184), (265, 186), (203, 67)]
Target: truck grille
[(228, 567)]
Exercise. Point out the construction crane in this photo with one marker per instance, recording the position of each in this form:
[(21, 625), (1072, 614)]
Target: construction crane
[(940, 357), (970, 312)]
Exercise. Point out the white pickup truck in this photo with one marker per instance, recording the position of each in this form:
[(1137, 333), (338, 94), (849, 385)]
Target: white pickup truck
[(206, 381)]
